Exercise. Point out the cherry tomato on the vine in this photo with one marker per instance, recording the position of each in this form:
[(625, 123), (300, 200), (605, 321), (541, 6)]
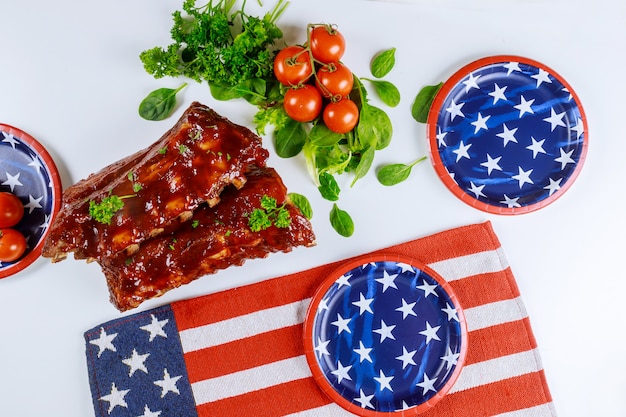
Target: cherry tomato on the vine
[(292, 65), (303, 104), (327, 44), (341, 116), (12, 245), (334, 80), (11, 210)]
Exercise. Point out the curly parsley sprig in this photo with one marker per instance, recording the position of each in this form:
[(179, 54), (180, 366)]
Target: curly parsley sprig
[(269, 214), (104, 211)]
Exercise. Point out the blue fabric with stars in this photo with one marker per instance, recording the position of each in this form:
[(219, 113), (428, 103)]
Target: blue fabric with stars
[(510, 134), (136, 367), (387, 336)]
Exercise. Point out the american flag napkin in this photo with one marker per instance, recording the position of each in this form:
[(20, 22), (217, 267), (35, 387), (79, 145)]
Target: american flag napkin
[(240, 352)]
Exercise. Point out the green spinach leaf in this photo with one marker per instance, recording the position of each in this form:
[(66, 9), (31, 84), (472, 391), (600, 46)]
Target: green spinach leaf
[(341, 221), (160, 103), (290, 139), (383, 63), (302, 203), (329, 189), (393, 174), (424, 101)]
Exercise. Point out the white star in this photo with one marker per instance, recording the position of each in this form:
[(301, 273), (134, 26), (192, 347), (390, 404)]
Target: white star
[(363, 352), (512, 66), (9, 138), (541, 77), (523, 177), (450, 358), (480, 123), (477, 190), (384, 381), (13, 181), (565, 158), (35, 163), (430, 333), (385, 331), (406, 309), (149, 413), (455, 110), (579, 128), (440, 136), (115, 398), (406, 357), (342, 324), (461, 152), (406, 267), (323, 305), (136, 362), (168, 384), (155, 328), (507, 135), (536, 147), (387, 281), (451, 312), (491, 164), (471, 82), (344, 280), (524, 106), (498, 93), (555, 119), (33, 203), (46, 222), (342, 372), (365, 400), (511, 202), (104, 342), (427, 384), (322, 347), (428, 288), (554, 186), (364, 304)]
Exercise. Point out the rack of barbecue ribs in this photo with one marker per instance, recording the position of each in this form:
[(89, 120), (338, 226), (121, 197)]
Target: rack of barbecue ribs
[(186, 207), (214, 238), (162, 184)]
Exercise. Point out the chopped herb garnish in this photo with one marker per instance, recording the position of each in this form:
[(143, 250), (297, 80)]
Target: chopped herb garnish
[(195, 223), (182, 149), (163, 150)]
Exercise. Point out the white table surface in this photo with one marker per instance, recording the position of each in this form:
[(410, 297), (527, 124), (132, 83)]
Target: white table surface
[(70, 76)]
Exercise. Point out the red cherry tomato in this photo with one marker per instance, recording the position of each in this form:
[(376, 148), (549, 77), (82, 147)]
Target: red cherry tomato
[(12, 245), (335, 80), (341, 116), (292, 65), (327, 44), (303, 104), (11, 210)]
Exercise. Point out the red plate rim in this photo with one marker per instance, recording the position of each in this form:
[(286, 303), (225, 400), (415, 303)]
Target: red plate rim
[(440, 168), (309, 349)]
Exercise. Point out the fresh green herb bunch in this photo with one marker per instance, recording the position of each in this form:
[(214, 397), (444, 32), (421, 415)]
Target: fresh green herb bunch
[(213, 43)]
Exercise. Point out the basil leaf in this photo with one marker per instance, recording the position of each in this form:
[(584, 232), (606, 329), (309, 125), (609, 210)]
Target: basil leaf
[(289, 139), (320, 135), (302, 203), (367, 158), (388, 92), (329, 189), (159, 104), (393, 174), (341, 221), (383, 63), (424, 101), (374, 128)]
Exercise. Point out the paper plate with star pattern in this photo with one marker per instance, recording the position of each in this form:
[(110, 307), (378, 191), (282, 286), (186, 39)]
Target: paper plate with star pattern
[(385, 336), (29, 172), (507, 135)]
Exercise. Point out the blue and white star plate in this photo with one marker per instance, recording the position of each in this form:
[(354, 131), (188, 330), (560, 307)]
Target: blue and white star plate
[(29, 172), (385, 336), (507, 135)]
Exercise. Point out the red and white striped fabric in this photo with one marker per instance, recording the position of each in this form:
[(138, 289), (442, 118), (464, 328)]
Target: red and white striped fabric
[(244, 354)]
